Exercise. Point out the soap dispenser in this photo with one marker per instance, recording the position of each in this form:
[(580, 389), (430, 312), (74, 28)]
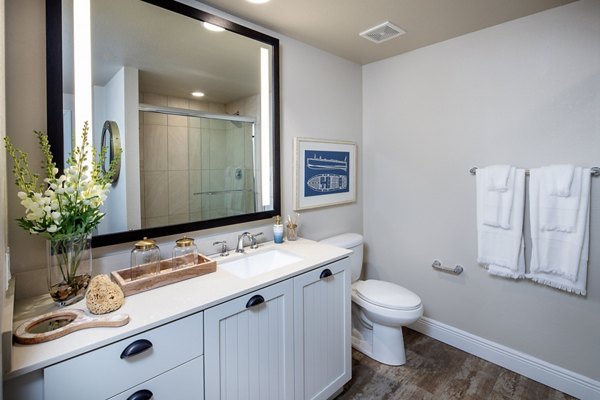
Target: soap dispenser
[(278, 230)]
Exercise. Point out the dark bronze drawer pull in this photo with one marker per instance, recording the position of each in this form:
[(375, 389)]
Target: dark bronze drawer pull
[(143, 394), (326, 273), (137, 347), (255, 300)]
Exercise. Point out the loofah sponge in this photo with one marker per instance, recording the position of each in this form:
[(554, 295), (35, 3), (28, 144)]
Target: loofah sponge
[(103, 295)]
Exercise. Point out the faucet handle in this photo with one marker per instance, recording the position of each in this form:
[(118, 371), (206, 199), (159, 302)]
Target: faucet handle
[(223, 244), (253, 242)]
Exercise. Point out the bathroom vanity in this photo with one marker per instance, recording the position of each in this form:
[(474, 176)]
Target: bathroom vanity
[(279, 334)]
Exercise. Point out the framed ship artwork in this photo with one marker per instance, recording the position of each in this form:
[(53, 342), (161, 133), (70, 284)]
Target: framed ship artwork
[(324, 173)]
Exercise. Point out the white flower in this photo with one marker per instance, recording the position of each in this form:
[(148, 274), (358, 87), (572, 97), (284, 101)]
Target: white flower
[(78, 191)]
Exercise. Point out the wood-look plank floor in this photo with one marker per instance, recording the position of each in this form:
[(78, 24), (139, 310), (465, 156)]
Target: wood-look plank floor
[(437, 371)]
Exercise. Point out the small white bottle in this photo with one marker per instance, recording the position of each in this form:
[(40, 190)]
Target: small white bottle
[(278, 230)]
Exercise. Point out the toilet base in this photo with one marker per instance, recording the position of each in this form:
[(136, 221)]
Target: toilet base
[(379, 342)]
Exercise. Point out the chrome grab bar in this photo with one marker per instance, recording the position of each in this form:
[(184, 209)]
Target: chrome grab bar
[(437, 264)]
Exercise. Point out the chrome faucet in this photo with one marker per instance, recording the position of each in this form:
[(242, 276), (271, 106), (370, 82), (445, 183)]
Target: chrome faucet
[(240, 244), (253, 243)]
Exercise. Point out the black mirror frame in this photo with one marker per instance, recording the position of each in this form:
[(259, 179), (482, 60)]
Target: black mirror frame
[(54, 92)]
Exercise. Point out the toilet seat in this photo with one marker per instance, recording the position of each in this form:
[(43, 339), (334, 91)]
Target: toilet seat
[(387, 295)]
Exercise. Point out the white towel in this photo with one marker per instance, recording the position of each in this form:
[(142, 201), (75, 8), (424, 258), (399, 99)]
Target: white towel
[(498, 198), (558, 178), (497, 177), (559, 213), (558, 258), (501, 250)]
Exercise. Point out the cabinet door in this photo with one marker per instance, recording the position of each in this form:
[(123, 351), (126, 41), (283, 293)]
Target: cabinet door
[(249, 348), (322, 331)]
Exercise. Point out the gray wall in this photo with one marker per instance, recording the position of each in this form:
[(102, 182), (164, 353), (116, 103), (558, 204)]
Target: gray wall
[(526, 93), (320, 97), (25, 112), (3, 208)]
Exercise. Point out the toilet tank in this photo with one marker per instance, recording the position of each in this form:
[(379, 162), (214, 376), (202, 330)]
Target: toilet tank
[(354, 242)]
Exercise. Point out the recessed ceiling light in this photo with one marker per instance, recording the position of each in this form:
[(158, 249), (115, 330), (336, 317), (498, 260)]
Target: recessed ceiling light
[(212, 27), (197, 94), (258, 1)]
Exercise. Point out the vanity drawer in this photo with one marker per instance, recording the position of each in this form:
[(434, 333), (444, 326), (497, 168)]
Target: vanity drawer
[(185, 382), (107, 371)]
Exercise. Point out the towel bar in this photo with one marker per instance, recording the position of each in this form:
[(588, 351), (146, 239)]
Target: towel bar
[(595, 171), (437, 264)]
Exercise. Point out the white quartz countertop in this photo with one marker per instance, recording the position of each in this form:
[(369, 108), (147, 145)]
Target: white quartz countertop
[(162, 305)]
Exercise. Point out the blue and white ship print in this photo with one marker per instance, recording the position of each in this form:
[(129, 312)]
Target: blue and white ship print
[(326, 172)]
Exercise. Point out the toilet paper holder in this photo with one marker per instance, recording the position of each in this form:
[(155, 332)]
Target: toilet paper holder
[(437, 264)]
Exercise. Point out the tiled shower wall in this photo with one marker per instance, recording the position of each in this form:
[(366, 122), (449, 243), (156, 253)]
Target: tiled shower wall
[(185, 160)]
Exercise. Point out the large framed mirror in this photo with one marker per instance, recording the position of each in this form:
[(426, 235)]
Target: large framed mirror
[(195, 99)]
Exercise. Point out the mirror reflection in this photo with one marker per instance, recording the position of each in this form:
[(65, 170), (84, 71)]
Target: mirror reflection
[(195, 109)]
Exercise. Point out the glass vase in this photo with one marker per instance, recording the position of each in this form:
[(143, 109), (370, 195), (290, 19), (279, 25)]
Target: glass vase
[(69, 265)]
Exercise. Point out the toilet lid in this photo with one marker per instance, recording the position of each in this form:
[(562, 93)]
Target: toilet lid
[(387, 294)]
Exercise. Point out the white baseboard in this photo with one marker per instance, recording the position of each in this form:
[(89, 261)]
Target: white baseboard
[(551, 375)]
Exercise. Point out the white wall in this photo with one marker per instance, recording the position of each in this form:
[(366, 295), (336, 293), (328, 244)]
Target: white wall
[(118, 101), (526, 93), (320, 97)]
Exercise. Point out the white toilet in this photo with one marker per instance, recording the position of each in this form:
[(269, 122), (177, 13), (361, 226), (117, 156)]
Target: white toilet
[(379, 309)]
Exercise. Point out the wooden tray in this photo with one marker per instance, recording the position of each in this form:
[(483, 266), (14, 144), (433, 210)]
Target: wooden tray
[(146, 278)]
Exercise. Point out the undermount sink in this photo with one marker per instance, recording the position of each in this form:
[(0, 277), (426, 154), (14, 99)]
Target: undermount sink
[(251, 265)]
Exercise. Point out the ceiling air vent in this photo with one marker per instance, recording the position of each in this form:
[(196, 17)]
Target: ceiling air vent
[(382, 32)]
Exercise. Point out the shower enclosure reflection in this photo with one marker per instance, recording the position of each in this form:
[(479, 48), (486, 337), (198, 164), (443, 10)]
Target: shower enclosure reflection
[(196, 166)]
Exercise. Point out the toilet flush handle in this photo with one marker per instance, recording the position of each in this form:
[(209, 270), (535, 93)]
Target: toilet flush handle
[(326, 273)]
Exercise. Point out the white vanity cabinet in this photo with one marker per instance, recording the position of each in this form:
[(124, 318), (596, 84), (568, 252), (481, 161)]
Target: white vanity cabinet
[(249, 346), (294, 344), (280, 335), (130, 363), (322, 331)]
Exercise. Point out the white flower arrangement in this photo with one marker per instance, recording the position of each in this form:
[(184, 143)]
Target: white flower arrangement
[(68, 205)]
